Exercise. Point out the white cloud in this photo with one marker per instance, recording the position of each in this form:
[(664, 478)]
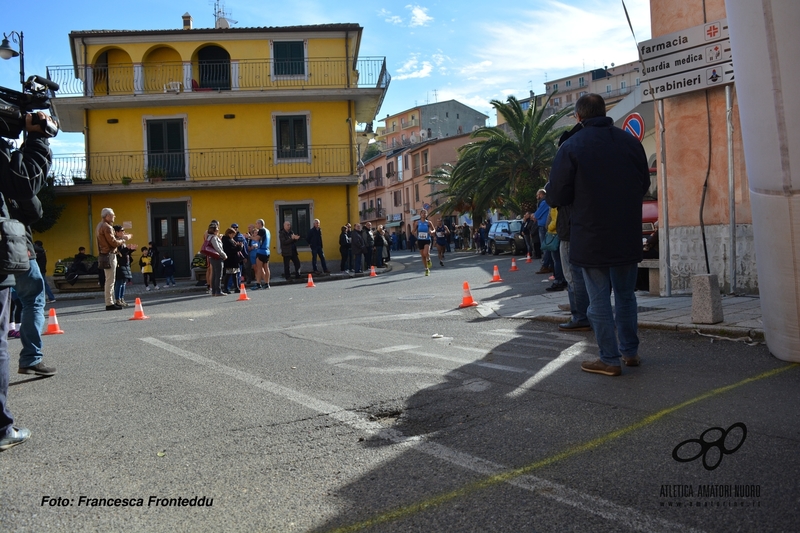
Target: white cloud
[(419, 16), (388, 17), (413, 69)]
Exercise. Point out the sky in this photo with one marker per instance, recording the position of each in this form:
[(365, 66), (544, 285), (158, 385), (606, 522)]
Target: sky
[(468, 50)]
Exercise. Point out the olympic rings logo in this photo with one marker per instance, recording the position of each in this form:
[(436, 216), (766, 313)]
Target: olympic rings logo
[(707, 446)]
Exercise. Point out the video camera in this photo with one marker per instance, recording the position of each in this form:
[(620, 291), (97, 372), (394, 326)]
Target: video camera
[(15, 105)]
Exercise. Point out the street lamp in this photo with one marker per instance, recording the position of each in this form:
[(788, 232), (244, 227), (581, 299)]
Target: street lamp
[(6, 52)]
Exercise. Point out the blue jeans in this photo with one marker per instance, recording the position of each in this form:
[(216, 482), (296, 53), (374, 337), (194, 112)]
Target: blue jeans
[(599, 283), (119, 287), (357, 262), (576, 286), (30, 289), (48, 291), (6, 420), (547, 257)]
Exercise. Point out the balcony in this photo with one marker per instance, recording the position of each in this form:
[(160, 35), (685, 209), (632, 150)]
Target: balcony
[(202, 165), (237, 81), (409, 123), (244, 75)]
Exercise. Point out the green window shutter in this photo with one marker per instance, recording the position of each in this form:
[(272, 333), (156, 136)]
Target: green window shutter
[(289, 58)]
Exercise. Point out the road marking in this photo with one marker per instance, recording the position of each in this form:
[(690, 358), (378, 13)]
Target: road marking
[(565, 357), (509, 476), (399, 348), (493, 473)]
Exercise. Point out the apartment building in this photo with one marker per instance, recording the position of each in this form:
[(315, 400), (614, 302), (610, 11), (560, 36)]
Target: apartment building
[(187, 125)]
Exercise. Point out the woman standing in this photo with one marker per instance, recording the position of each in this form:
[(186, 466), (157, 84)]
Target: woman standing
[(422, 231), (442, 232), (344, 249), (215, 263), (380, 245), (124, 260), (231, 262)]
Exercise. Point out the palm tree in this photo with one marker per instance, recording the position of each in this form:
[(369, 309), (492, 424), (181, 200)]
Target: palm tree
[(502, 170)]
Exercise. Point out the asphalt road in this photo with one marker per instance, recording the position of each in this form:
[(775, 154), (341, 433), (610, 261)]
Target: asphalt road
[(376, 404)]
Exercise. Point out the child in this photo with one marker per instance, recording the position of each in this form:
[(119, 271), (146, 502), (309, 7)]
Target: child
[(168, 267), (123, 275), (146, 262)]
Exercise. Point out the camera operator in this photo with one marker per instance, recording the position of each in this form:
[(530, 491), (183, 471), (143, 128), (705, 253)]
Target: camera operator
[(23, 173)]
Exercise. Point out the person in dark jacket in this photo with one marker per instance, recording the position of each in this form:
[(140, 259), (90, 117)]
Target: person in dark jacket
[(315, 242), (357, 247), (344, 249), (603, 173), (230, 265), (288, 240), (22, 174), (41, 260)]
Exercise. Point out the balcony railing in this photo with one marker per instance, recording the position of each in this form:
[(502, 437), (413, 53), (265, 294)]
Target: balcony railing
[(200, 165), (245, 75)]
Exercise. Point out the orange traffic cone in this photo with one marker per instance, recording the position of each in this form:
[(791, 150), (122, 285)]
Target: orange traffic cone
[(52, 324), (243, 294), (467, 300), (310, 283), (138, 312), (529, 260), (496, 276), (513, 265), (372, 273)]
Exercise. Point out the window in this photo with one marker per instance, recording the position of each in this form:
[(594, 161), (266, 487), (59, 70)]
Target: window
[(637, 82), (424, 161), (416, 165), (557, 102), (379, 176), (581, 82), (569, 98), (555, 86), (292, 136), (398, 198), (399, 168), (568, 83), (165, 154), (416, 192), (289, 58), (623, 84), (390, 169), (406, 162), (300, 217), (372, 204), (608, 88)]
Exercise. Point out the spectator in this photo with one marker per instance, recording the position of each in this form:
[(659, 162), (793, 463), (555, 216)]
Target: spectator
[(288, 240), (369, 244), (603, 173), (541, 220), (344, 249), (108, 243), (315, 242), (148, 270), (215, 263), (357, 247), (231, 262), (123, 273), (168, 268)]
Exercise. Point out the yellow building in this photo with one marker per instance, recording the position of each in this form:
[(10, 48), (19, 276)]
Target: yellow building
[(188, 125)]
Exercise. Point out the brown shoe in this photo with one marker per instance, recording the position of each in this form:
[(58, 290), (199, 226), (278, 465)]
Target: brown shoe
[(631, 361), (599, 367), (544, 270)]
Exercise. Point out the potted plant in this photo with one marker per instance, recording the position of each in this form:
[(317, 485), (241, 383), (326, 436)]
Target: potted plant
[(126, 180), (155, 174)]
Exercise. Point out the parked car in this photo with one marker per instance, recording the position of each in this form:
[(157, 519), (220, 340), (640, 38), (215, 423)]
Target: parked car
[(505, 236)]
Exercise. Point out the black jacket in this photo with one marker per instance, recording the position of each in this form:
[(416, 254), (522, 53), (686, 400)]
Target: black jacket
[(23, 173), (602, 171), (314, 237)]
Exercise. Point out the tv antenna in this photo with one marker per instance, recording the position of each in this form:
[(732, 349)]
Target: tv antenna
[(222, 19)]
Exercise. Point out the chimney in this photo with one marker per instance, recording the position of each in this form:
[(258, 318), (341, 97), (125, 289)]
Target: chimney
[(187, 21)]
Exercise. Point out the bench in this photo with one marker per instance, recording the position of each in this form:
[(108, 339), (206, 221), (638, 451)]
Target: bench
[(652, 265), (84, 283)]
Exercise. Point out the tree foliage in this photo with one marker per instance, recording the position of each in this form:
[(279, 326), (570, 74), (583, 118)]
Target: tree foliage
[(50, 207), (502, 169)]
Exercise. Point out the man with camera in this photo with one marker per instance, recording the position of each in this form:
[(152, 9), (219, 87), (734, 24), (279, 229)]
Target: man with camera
[(22, 174)]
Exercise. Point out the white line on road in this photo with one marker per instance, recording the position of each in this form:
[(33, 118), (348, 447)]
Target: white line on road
[(612, 512), (566, 356)]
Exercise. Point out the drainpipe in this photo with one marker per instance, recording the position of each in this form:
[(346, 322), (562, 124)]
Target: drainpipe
[(663, 229), (347, 56), (92, 238)]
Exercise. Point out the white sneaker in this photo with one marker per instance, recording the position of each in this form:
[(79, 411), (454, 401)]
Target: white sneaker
[(157, 287), (147, 288)]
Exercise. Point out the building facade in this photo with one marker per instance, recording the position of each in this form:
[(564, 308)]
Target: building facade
[(187, 125)]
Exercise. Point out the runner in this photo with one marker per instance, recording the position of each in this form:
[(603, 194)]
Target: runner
[(422, 229), (442, 232)]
